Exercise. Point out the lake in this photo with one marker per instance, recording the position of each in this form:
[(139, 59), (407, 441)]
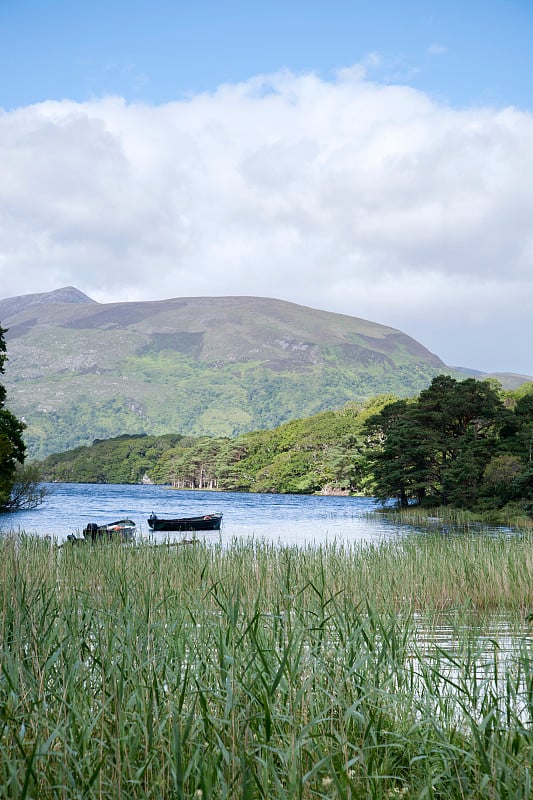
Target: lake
[(290, 519)]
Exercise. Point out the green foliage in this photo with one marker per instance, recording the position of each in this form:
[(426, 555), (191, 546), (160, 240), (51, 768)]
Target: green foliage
[(162, 392), (320, 453), (12, 448), (457, 444), (125, 459), (27, 490)]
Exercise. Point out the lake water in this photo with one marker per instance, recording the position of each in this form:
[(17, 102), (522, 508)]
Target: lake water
[(291, 519), (275, 518)]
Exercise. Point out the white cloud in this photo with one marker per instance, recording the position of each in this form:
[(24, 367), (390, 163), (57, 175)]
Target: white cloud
[(437, 49), (348, 195)]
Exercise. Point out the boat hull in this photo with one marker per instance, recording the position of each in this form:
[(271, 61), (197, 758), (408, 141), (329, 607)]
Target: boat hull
[(209, 522), (122, 530)]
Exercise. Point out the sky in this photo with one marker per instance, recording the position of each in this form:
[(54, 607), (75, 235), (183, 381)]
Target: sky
[(371, 159)]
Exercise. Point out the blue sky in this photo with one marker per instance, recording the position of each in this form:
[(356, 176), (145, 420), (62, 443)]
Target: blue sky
[(463, 52), (368, 158)]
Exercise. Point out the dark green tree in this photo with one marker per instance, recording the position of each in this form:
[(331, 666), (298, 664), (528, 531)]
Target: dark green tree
[(393, 467), (12, 448), (523, 416), (435, 449)]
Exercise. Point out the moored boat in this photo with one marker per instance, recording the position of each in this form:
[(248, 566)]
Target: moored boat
[(208, 522), (121, 530)]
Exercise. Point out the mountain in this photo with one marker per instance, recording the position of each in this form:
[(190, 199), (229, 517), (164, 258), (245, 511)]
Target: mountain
[(80, 370), (11, 306)]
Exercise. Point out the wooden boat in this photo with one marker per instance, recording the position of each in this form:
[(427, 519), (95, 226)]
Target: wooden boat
[(209, 522), (121, 530)]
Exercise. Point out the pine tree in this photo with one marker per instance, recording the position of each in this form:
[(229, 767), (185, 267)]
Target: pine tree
[(435, 449)]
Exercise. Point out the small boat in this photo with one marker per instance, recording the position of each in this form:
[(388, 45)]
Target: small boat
[(209, 522), (125, 528), (121, 530)]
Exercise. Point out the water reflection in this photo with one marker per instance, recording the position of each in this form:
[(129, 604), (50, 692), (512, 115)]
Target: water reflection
[(476, 667), (454, 634)]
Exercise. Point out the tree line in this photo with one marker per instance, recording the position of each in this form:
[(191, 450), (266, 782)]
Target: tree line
[(319, 453), (465, 444)]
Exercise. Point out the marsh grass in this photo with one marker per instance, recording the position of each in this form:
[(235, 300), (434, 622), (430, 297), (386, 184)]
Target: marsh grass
[(255, 671), (461, 519)]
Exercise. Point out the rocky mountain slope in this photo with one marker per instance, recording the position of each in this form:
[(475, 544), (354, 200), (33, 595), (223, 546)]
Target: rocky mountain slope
[(80, 370)]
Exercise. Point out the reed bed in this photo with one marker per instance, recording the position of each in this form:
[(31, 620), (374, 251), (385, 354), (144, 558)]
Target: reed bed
[(255, 671), (461, 519)]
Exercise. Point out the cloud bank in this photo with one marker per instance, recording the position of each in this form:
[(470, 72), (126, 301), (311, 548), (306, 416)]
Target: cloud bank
[(346, 195)]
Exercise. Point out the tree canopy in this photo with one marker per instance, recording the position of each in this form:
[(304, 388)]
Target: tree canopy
[(12, 448), (457, 444)]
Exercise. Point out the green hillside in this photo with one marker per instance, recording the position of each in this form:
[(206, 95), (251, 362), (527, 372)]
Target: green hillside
[(461, 443), (219, 366), (322, 453)]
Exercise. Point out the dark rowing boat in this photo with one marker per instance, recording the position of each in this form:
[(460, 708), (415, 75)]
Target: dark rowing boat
[(122, 530), (209, 522)]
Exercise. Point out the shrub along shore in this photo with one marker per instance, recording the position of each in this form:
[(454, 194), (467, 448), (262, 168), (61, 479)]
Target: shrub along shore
[(256, 671)]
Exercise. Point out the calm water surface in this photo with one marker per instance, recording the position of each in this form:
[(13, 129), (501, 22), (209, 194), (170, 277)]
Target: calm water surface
[(292, 519)]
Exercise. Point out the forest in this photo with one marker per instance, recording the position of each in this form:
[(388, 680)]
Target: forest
[(466, 444)]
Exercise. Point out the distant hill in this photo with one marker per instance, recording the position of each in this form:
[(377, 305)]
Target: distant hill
[(509, 380), (80, 370)]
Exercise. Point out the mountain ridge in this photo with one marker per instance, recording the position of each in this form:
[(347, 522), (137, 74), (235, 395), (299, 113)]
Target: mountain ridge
[(80, 370)]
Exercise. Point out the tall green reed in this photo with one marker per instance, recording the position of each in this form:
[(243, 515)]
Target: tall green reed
[(257, 671)]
